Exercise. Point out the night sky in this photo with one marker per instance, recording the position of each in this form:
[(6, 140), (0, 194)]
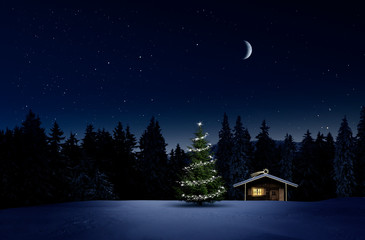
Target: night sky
[(183, 63)]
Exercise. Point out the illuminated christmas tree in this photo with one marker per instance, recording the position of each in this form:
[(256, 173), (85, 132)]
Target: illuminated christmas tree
[(200, 182)]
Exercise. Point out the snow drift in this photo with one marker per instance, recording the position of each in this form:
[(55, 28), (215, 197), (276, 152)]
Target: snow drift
[(331, 219)]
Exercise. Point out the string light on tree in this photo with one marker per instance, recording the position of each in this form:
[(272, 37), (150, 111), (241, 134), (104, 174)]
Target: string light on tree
[(200, 182), (200, 138), (195, 165), (200, 149)]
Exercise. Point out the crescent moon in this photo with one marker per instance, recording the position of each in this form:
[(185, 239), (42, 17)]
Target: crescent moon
[(249, 50)]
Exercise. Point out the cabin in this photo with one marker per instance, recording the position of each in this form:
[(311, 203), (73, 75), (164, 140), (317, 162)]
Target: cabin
[(264, 186)]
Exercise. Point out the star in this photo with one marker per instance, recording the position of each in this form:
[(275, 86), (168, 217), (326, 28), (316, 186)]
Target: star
[(200, 124)]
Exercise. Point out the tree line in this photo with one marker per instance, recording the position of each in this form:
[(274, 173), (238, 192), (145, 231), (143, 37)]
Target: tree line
[(36, 168), (39, 168), (323, 168)]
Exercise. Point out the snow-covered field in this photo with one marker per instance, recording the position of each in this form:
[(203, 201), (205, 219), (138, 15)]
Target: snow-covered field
[(332, 219)]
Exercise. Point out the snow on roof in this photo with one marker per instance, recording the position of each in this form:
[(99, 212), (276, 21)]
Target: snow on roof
[(265, 175)]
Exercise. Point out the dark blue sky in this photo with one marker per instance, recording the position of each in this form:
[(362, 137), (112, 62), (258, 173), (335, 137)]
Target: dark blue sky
[(100, 64)]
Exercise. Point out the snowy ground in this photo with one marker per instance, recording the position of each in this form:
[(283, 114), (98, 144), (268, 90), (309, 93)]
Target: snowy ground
[(332, 219)]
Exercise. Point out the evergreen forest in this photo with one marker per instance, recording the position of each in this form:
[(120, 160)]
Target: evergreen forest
[(37, 167)]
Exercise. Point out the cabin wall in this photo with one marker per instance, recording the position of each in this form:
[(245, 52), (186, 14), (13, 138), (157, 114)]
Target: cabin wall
[(265, 189)]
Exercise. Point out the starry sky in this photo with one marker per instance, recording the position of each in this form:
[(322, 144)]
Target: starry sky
[(127, 61)]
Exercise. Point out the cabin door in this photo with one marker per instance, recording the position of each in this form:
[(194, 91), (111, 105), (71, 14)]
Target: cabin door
[(274, 195)]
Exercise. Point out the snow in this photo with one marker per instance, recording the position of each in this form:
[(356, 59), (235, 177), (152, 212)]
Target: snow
[(332, 219)]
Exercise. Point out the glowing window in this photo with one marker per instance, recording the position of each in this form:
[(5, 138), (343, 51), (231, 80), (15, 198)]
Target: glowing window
[(256, 192)]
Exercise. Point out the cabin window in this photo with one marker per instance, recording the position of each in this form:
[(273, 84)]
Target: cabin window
[(257, 192)]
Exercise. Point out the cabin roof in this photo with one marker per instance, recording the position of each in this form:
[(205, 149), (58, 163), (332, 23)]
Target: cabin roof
[(262, 176)]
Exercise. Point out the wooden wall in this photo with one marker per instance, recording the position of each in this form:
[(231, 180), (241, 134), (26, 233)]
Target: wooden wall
[(274, 190)]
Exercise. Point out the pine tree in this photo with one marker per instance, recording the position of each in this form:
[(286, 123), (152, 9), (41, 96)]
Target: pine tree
[(104, 152), (89, 142), (249, 149), (331, 149), (124, 163), (119, 138), (120, 173), (102, 189), (172, 174), (89, 149), (200, 182), (33, 167), (72, 151), (57, 164), (153, 163), (71, 147), (319, 165), (304, 173), (359, 164), (94, 182), (343, 164), (73, 155), (55, 138), (265, 153), (329, 190), (130, 145), (323, 164), (131, 166), (224, 153), (178, 160), (5, 169), (287, 158), (14, 185), (242, 156)]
